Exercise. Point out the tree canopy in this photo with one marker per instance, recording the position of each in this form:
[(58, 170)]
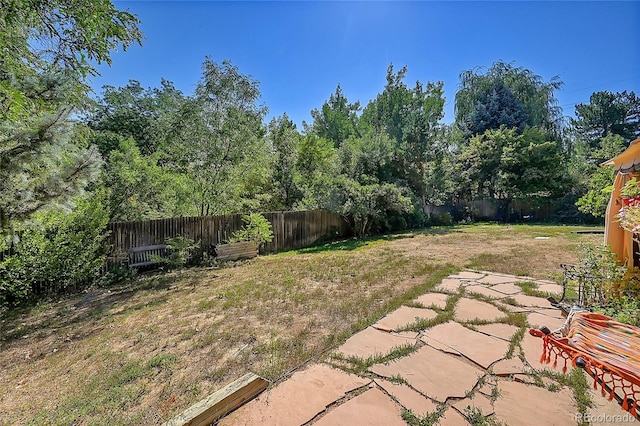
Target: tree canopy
[(337, 119), (47, 51), (503, 165), (607, 113), (217, 137), (537, 97)]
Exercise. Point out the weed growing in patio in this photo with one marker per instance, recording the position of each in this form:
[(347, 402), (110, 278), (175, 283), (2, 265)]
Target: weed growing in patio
[(429, 419), (357, 365), (531, 289), (475, 417)]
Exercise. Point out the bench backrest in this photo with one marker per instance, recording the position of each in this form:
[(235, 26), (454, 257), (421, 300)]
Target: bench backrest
[(147, 255)]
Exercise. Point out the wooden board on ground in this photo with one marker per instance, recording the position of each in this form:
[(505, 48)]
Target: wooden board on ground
[(236, 251), (221, 402)]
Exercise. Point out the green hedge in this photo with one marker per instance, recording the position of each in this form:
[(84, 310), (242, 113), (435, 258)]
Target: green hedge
[(56, 253)]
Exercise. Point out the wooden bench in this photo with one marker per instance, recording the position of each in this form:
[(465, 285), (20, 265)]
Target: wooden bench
[(236, 251), (138, 257)]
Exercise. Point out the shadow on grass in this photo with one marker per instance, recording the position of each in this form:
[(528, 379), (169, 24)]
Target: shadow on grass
[(83, 308), (358, 243)]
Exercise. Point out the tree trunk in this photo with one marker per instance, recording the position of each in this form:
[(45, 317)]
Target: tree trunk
[(503, 208)]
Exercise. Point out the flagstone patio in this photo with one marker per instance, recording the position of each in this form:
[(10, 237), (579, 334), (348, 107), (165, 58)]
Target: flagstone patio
[(474, 362)]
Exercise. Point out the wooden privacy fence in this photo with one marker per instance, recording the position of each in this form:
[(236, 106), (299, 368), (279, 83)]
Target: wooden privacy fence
[(532, 209), (291, 230)]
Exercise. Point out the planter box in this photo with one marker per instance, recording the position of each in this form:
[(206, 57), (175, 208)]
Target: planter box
[(236, 251)]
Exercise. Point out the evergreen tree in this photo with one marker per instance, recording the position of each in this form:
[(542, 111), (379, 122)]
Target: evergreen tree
[(539, 105), (607, 113), (498, 107), (47, 50), (336, 120), (284, 139)]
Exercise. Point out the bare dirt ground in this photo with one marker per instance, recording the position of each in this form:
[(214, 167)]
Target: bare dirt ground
[(142, 352)]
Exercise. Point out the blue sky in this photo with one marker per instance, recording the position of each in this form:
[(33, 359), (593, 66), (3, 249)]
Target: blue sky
[(300, 51)]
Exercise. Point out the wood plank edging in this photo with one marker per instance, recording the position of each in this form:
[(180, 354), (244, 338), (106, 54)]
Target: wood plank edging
[(221, 402)]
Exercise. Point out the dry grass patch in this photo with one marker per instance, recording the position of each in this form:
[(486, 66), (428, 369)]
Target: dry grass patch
[(142, 352)]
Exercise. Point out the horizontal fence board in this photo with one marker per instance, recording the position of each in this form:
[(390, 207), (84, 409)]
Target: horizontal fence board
[(291, 230)]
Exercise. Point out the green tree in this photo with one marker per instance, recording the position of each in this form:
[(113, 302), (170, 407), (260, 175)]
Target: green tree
[(410, 117), (284, 137), (336, 120), (503, 165), (45, 159), (48, 49), (141, 189), (536, 96), (316, 168), (596, 199), (367, 158), (497, 107), (598, 181), (217, 139), (607, 113), (533, 166), (134, 112), (601, 130), (74, 36), (364, 204), (57, 252)]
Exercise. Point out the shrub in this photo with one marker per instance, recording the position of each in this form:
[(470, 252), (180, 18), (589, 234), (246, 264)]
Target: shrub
[(440, 219), (256, 228), (623, 309), (182, 251), (606, 275), (612, 281), (56, 253), (117, 273)]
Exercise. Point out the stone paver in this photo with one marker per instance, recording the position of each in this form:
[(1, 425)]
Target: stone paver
[(372, 407), (479, 348), (298, 399), (409, 335), (507, 288), (549, 311), (439, 300), (501, 331), (371, 342), (605, 412), (506, 367), (469, 275), (551, 288), (446, 369), (514, 309), (528, 379), (497, 279), (484, 291), (433, 373), (407, 397), (531, 301), (471, 309), (520, 404), (538, 320), (452, 418), (479, 401), (532, 348), (402, 317), (436, 344), (449, 285)]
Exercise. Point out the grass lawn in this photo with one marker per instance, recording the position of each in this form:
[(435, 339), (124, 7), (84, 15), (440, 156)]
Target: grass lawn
[(142, 352)]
